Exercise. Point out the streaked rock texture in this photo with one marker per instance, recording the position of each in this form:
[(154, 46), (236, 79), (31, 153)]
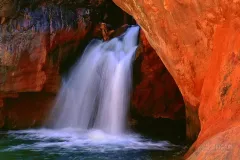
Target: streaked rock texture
[(33, 45), (199, 43)]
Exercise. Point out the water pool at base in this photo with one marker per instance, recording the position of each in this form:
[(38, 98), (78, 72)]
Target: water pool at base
[(76, 144)]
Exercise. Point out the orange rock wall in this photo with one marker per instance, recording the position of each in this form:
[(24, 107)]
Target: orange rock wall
[(198, 41), (32, 69)]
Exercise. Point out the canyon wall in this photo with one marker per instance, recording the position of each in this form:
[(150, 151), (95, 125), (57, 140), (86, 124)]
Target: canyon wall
[(199, 43)]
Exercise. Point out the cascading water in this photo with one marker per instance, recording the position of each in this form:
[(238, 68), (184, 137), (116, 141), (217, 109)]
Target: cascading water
[(88, 120), (96, 95)]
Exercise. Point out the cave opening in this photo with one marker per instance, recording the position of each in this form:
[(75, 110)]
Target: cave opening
[(157, 106)]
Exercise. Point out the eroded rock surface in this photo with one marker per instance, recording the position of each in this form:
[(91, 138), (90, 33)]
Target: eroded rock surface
[(198, 41), (28, 62)]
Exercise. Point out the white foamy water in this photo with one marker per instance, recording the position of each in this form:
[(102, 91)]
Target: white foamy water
[(96, 95), (74, 139)]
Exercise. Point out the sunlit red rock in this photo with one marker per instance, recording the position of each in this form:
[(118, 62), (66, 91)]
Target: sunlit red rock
[(198, 42), (223, 145)]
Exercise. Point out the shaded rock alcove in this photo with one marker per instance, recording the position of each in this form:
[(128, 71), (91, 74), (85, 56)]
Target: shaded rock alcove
[(157, 107)]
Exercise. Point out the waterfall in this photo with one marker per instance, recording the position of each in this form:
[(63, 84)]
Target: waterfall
[(96, 94)]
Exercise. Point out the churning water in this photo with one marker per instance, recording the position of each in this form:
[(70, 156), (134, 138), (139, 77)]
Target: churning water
[(77, 144), (88, 120)]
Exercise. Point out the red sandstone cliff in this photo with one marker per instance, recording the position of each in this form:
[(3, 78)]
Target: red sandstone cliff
[(199, 43)]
